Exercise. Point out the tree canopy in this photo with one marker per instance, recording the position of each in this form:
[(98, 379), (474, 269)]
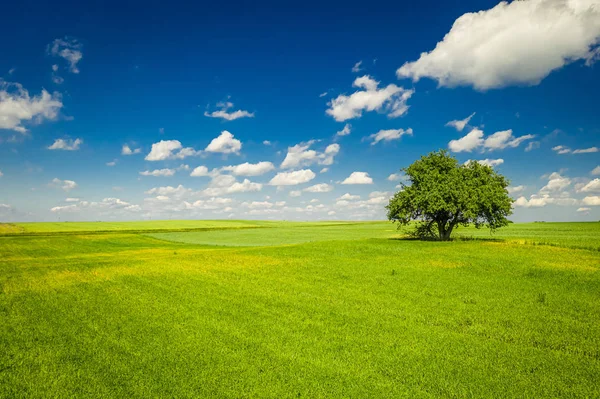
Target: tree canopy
[(441, 194)]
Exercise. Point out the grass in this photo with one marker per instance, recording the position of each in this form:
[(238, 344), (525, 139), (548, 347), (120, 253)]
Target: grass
[(300, 310)]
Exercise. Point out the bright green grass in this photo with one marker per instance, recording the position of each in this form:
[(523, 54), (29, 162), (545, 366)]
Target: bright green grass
[(129, 315), (283, 234)]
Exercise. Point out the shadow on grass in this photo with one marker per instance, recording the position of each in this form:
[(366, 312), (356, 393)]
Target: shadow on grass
[(459, 238)]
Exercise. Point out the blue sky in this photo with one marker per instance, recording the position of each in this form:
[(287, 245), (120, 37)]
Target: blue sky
[(233, 110)]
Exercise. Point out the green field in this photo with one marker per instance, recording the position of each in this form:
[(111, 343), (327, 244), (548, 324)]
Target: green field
[(237, 309)]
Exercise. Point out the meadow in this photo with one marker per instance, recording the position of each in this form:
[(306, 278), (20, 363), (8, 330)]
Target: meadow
[(278, 309)]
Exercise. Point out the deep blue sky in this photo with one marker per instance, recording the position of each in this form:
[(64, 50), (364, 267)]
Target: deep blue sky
[(150, 70)]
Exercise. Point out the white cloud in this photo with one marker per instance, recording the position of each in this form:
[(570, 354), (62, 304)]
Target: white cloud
[(200, 171), (582, 209), (390, 100), (502, 139), (225, 143), (586, 150), (488, 162), (561, 149), (295, 193), (267, 142), (126, 150), (596, 171), (319, 188), (541, 200), (357, 67), (178, 192), (345, 131), (112, 163), (107, 205), (358, 178), (389, 135), (516, 189), (165, 149), (300, 155), (516, 43), (591, 187), (556, 182), (323, 94), (396, 177), (468, 143), (348, 197), (249, 169), (227, 115), (18, 107), (70, 199), (233, 187), (497, 141), (292, 178), (66, 185), (69, 49), (1, 174), (461, 123), (159, 172), (67, 145), (592, 200), (532, 146)]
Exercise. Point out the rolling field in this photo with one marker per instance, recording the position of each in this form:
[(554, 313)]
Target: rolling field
[(274, 309)]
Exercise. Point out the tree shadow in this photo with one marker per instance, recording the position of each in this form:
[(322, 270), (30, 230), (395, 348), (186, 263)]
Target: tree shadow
[(459, 238)]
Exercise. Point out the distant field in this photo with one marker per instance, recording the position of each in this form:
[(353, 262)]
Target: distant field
[(282, 310), (10, 228)]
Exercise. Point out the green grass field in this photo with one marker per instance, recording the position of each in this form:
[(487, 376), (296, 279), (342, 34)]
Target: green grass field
[(238, 309)]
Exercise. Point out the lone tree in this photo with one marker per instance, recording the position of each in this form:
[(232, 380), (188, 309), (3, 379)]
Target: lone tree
[(442, 194)]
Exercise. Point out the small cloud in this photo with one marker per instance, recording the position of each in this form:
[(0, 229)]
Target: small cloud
[(66, 185), (323, 94), (227, 115), (460, 123), (345, 131), (126, 150), (66, 145), (159, 172), (111, 163), (389, 135), (357, 67), (68, 49)]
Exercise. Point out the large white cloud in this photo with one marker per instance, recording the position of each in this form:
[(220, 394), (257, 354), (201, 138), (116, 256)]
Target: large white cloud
[(389, 135), (358, 178), (301, 155), (250, 169), (516, 43), (18, 107), (390, 100), (292, 178), (225, 143), (67, 145)]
